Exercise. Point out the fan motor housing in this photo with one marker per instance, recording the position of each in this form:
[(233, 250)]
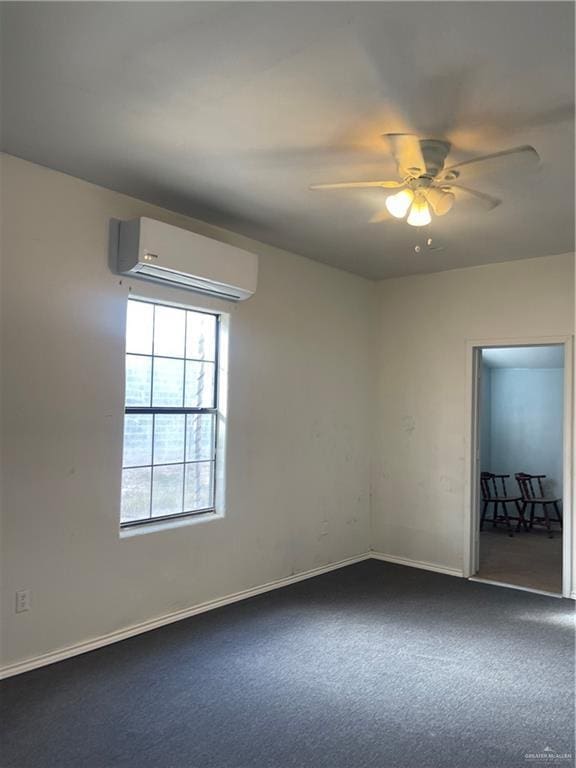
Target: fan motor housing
[(435, 153)]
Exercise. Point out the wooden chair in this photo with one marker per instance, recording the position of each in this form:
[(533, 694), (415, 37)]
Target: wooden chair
[(498, 496), (533, 495)]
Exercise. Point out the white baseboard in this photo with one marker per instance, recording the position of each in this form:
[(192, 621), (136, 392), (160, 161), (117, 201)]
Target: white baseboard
[(417, 564), (169, 618)]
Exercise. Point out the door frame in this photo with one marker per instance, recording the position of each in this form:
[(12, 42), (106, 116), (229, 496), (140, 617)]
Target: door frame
[(472, 451)]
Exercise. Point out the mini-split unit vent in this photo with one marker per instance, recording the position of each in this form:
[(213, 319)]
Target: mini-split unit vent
[(165, 254)]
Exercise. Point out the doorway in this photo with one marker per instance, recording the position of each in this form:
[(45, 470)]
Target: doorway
[(520, 466)]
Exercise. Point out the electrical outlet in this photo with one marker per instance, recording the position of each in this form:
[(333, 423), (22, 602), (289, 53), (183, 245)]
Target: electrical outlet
[(22, 600), (324, 528)]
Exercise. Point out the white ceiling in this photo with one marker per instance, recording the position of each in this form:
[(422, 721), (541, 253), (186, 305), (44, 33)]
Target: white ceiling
[(524, 357), (229, 111)]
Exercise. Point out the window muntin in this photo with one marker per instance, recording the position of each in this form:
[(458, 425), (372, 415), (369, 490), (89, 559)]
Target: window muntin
[(168, 467)]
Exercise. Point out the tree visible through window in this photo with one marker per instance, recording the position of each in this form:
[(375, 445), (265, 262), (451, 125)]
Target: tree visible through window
[(170, 418)]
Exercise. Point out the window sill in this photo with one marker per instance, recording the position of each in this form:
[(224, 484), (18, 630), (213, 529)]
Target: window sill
[(166, 525)]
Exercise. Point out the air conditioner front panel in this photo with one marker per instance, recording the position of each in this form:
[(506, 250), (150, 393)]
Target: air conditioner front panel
[(162, 252), (168, 276)]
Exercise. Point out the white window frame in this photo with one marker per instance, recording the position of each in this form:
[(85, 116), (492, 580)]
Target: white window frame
[(220, 371)]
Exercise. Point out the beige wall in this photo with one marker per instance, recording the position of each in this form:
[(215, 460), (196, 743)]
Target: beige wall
[(298, 434), (424, 324), (329, 374)]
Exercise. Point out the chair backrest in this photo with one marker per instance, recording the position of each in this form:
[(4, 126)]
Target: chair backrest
[(530, 485), (489, 485)]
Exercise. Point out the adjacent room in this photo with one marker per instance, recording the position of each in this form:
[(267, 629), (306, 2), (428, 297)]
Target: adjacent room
[(522, 465), (287, 321)]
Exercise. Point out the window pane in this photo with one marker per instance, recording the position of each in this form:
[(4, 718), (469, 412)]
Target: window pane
[(137, 440), (200, 436), (169, 438), (138, 377), (199, 385), (201, 336), (169, 325), (139, 327), (167, 490), (198, 486), (168, 382), (168, 459), (135, 494)]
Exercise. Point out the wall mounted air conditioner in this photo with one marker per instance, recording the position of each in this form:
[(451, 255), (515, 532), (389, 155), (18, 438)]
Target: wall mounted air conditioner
[(176, 257)]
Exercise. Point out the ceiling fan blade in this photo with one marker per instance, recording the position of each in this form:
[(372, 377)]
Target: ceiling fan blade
[(359, 185), (524, 155), (489, 201), (381, 216), (407, 152)]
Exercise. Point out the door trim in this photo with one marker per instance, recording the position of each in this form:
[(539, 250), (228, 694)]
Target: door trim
[(471, 484)]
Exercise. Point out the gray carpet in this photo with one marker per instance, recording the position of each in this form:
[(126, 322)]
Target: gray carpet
[(371, 666)]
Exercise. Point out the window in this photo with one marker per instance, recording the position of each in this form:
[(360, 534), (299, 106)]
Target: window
[(168, 468)]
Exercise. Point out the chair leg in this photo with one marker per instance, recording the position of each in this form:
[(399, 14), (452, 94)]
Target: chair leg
[(532, 506), (547, 521), (495, 514), (507, 519), (482, 518), (558, 513), (521, 522)]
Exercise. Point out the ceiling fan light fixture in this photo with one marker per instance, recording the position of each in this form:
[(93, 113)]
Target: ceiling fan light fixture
[(399, 203), (441, 200), (419, 213)]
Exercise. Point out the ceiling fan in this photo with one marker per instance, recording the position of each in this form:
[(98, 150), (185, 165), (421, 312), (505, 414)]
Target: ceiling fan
[(425, 184)]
